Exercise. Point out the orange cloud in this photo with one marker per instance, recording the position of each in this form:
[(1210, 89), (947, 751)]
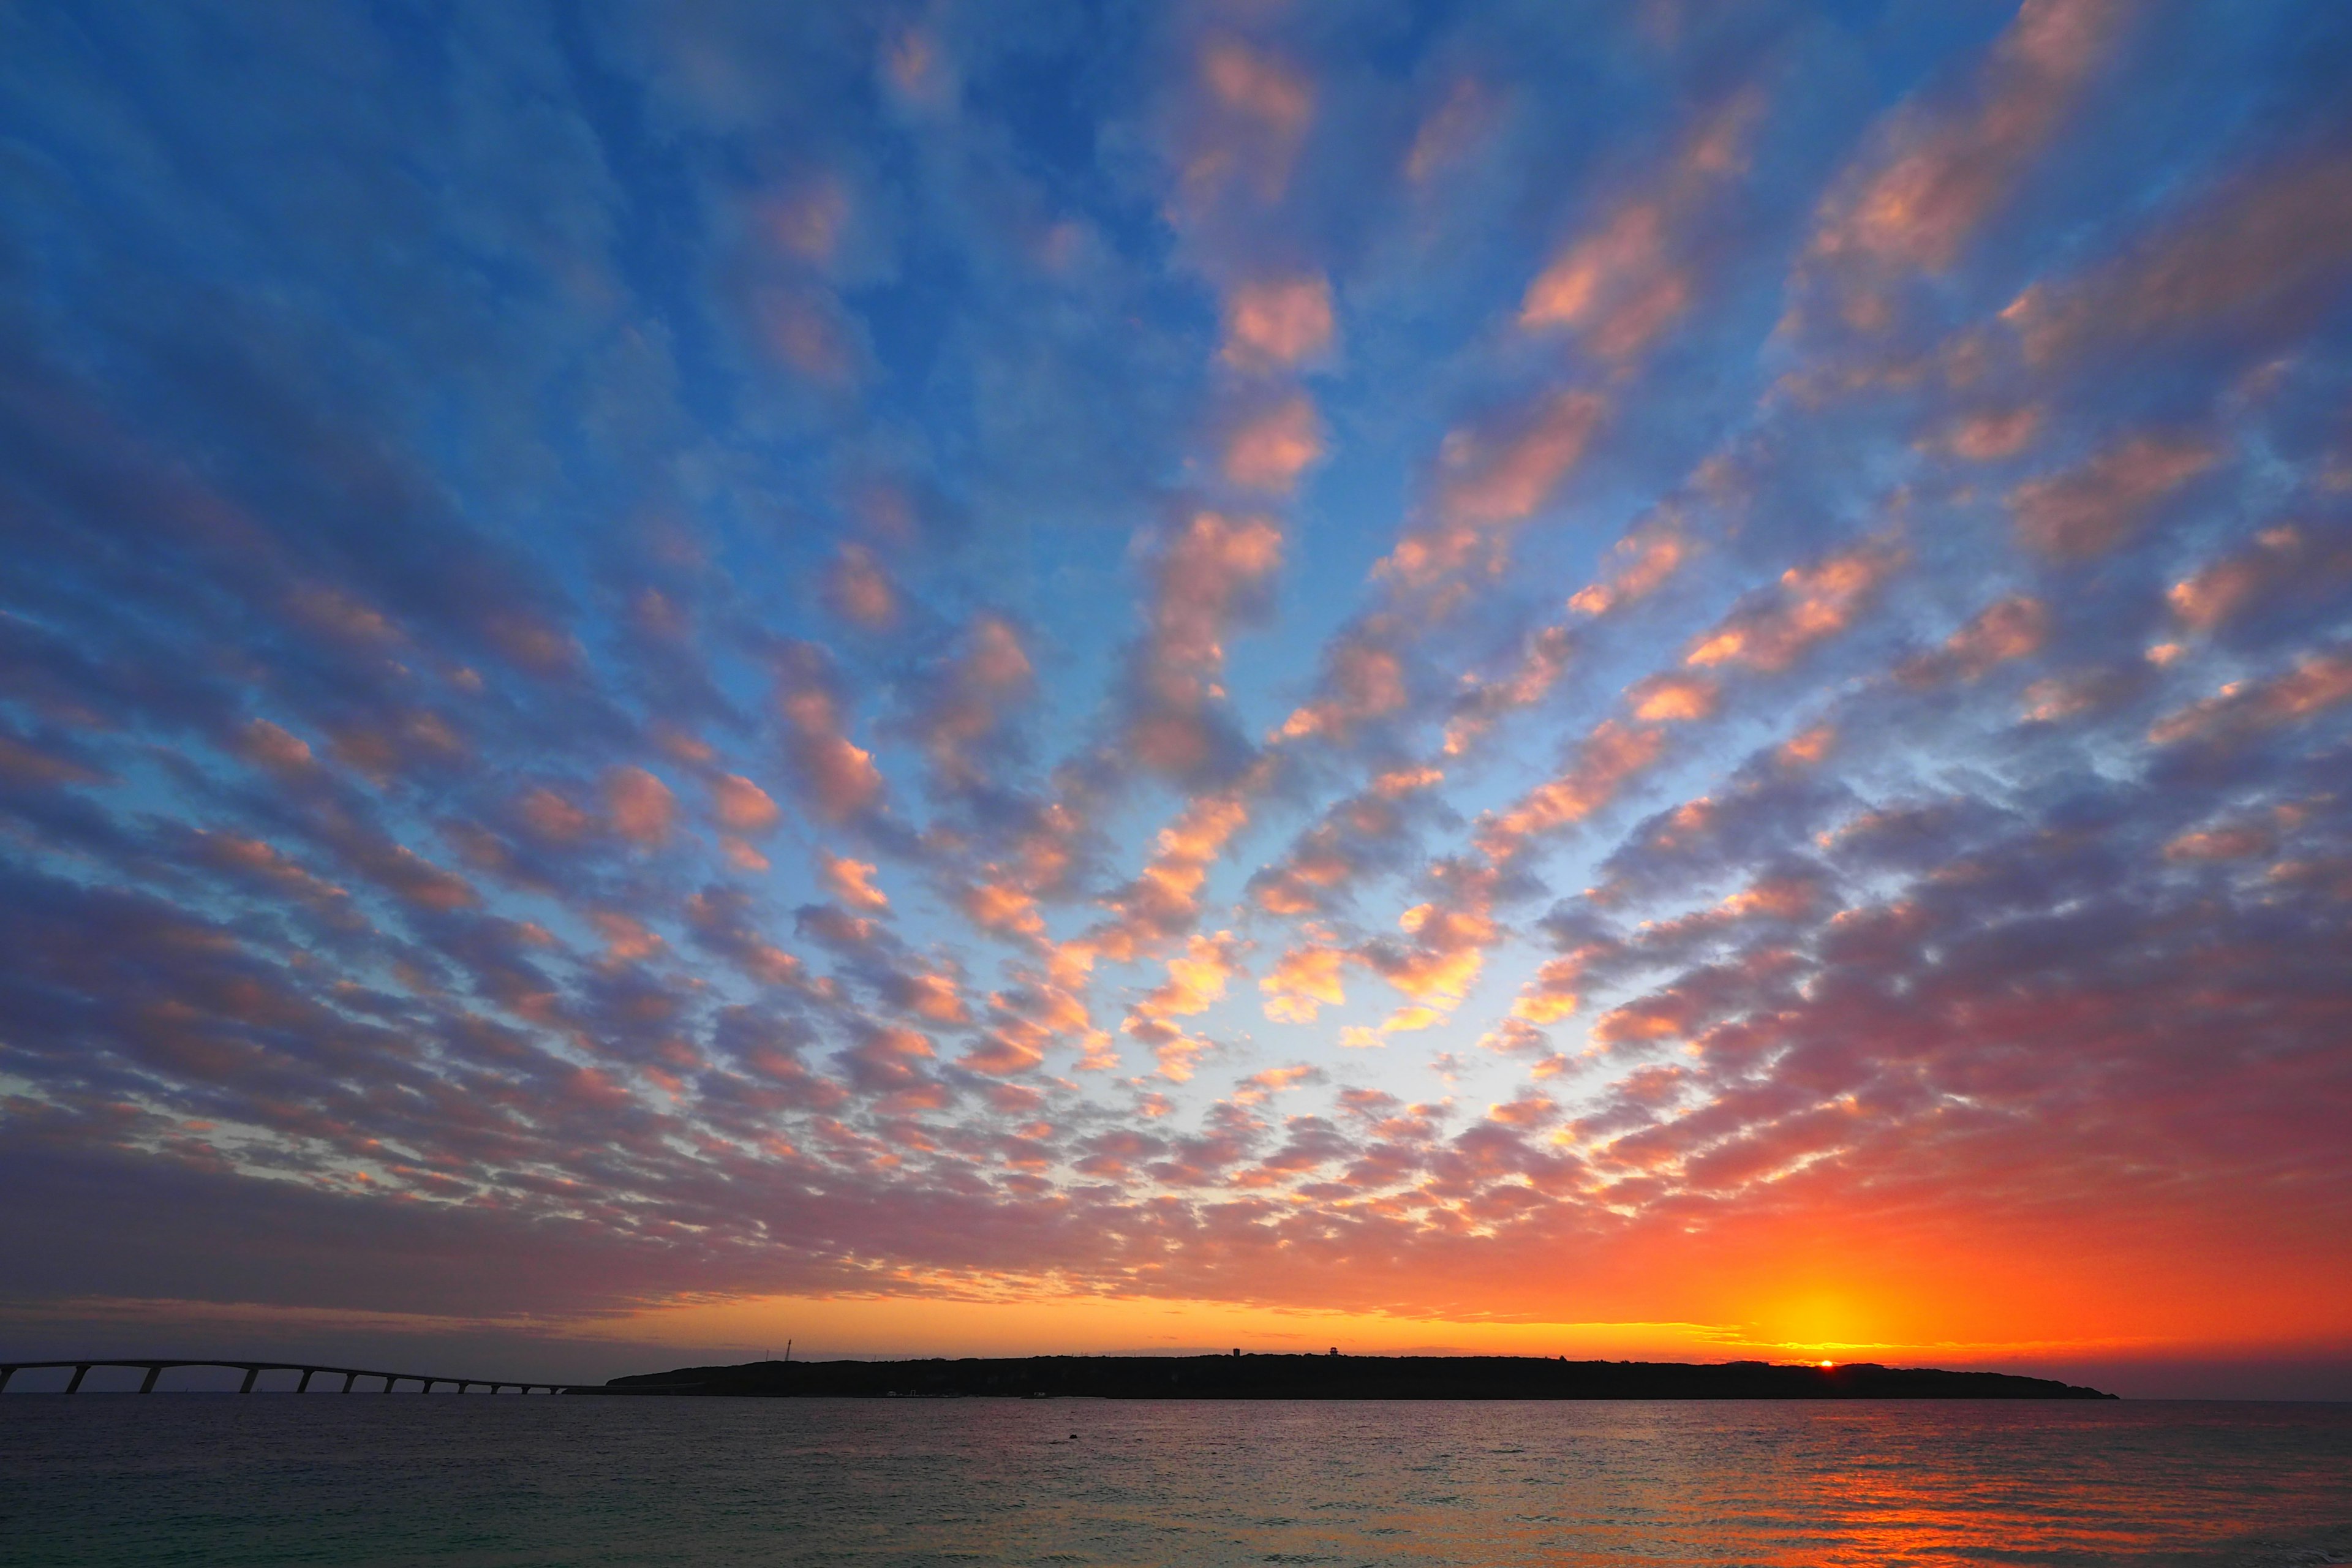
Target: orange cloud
[(967, 705), (1304, 981), (1164, 897), (1636, 566), (850, 881), (1551, 995), (625, 940), (1809, 604), (1610, 756), (1195, 979), (1668, 698), (809, 223), (1450, 937)]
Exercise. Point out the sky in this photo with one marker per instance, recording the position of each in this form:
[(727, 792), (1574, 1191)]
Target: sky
[(1634, 680)]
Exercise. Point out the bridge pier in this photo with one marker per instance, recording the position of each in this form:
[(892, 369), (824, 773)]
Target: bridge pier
[(250, 1373), (347, 1381), (81, 1369), (5, 1374), (304, 1386), (147, 1383), (387, 1383)]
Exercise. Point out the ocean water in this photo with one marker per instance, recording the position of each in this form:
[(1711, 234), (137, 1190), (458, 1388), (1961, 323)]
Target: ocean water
[(511, 1481)]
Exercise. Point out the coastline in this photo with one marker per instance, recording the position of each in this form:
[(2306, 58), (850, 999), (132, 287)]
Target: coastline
[(1330, 1376)]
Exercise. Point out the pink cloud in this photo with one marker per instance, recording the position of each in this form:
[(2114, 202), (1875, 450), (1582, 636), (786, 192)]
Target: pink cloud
[(1939, 171), (1268, 450), (2257, 255), (1277, 323), (2010, 628), (2090, 509), (1489, 480), (1621, 285), (2242, 710), (838, 777), (640, 806), (859, 589), (741, 806)]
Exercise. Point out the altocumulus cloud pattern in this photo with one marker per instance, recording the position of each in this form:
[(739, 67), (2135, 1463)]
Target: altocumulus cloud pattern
[(1593, 663)]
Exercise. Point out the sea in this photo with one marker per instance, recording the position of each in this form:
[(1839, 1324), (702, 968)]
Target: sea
[(524, 1482)]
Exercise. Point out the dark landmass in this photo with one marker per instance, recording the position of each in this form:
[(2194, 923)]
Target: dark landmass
[(1333, 1377)]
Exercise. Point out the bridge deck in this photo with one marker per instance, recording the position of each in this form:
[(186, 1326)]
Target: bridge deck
[(155, 1367)]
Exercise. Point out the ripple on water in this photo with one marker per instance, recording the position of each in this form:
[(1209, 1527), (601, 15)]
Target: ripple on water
[(491, 1483)]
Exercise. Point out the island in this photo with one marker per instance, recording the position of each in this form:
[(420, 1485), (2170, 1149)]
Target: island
[(1330, 1376)]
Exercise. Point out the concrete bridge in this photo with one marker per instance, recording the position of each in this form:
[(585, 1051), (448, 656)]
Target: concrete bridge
[(254, 1369)]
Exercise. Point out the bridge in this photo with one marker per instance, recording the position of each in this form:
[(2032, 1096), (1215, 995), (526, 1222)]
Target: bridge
[(254, 1369)]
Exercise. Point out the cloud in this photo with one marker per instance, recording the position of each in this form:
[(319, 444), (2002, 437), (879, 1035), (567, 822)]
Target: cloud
[(2010, 628), (1207, 576), (1771, 630), (1602, 763), (1303, 981), (837, 778), (639, 806), (1939, 171), (2256, 256), (859, 591), (2089, 511), (851, 881), (1363, 681), (1621, 286), (1277, 323), (1490, 479), (1244, 126), (1670, 697), (2281, 564), (741, 806), (2241, 710), (1270, 448)]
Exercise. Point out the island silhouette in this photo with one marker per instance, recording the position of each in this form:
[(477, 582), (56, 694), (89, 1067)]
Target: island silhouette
[(1240, 1376)]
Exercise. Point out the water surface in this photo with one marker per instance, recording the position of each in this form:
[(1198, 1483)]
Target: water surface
[(511, 1481)]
